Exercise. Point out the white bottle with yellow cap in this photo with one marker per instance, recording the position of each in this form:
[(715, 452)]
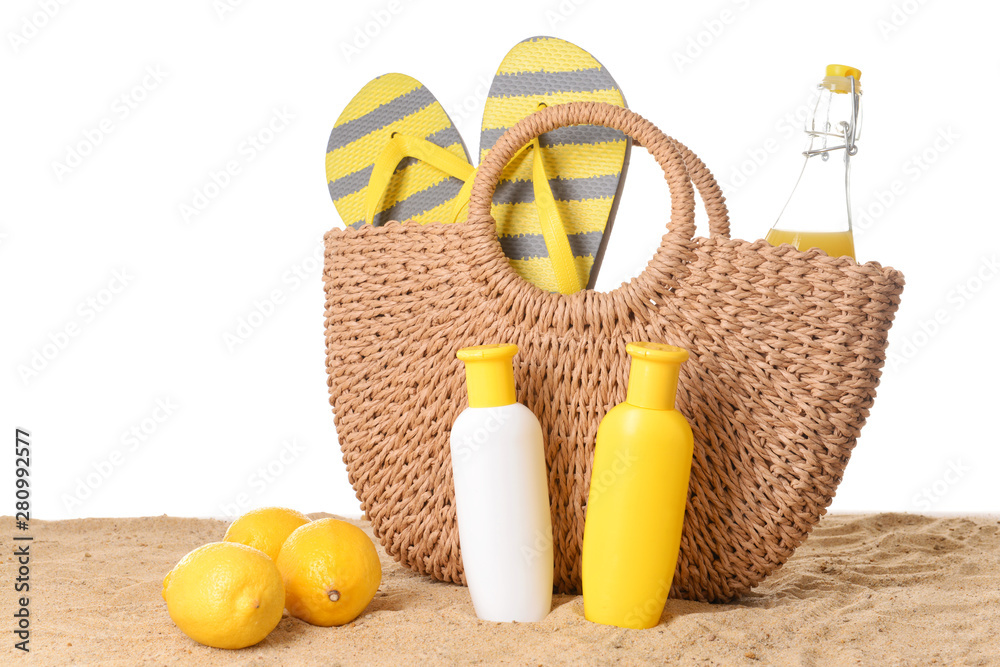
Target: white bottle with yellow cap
[(501, 493)]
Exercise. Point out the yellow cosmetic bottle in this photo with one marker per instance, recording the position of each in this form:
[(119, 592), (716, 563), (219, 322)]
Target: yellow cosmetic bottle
[(638, 491)]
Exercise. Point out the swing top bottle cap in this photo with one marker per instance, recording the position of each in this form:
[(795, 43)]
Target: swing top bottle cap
[(837, 78), (843, 70), (489, 374)]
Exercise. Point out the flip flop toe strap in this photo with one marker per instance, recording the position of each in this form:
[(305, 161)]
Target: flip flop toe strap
[(400, 147), (553, 230)]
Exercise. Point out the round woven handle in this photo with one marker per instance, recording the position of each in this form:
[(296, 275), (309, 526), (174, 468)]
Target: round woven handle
[(679, 164)]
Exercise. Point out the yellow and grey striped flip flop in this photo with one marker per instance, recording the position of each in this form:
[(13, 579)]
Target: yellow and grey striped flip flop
[(394, 154), (555, 236)]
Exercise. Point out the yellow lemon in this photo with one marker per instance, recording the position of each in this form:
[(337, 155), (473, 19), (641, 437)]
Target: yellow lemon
[(265, 529), (331, 572), (225, 595)]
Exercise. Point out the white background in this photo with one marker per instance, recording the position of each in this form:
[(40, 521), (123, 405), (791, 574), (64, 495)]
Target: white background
[(722, 76)]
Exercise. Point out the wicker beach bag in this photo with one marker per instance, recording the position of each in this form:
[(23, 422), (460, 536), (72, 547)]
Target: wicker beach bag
[(785, 349)]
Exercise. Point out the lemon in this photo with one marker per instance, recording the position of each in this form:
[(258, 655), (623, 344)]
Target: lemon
[(331, 572), (265, 529), (225, 595)]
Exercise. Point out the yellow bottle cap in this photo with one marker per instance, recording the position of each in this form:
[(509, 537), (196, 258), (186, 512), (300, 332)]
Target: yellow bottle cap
[(836, 78), (843, 70), (652, 380), (489, 374)]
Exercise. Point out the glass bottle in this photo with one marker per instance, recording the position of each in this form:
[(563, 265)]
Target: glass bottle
[(818, 212)]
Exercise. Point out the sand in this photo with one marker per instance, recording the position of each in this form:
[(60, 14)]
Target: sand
[(886, 589)]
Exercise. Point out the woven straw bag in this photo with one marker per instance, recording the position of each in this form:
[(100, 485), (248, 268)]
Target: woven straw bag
[(786, 350)]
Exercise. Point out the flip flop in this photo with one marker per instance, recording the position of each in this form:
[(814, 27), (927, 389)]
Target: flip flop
[(556, 202), (394, 154)]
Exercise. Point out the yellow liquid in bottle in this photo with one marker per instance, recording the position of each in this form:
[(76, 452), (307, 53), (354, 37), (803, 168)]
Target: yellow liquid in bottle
[(834, 244)]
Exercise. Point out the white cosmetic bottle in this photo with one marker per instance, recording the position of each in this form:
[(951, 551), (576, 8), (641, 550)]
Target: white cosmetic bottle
[(501, 493)]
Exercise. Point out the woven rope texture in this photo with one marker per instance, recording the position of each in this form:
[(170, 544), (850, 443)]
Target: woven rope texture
[(786, 349)]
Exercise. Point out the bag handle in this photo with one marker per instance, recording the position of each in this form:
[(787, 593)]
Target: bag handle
[(680, 165)]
